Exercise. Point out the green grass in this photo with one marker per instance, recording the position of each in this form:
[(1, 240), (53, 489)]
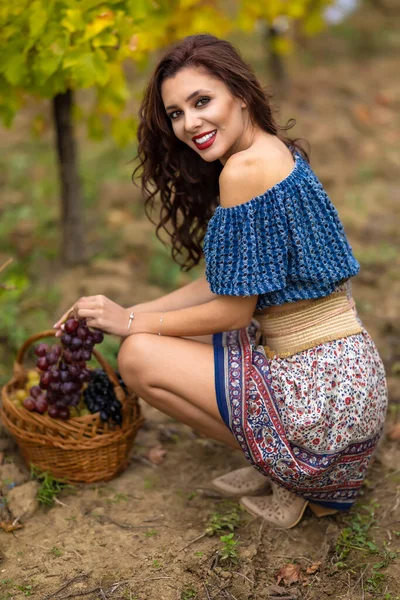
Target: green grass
[(150, 533), (228, 519), (188, 594), (229, 551), (50, 487), (357, 545), (26, 589)]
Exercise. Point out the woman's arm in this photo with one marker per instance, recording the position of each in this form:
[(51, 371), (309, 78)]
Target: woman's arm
[(224, 313), (192, 294)]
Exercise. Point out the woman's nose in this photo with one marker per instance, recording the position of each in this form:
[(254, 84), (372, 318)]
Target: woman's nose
[(192, 122)]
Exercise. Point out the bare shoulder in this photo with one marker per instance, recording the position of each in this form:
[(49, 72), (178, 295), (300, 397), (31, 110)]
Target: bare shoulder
[(251, 173)]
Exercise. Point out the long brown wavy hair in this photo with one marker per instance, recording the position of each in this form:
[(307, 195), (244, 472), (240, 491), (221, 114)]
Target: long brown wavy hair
[(186, 184)]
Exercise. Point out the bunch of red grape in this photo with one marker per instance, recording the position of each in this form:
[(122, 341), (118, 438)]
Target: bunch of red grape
[(64, 370)]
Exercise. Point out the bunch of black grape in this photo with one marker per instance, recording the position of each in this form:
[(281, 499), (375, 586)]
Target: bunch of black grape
[(64, 370), (100, 397)]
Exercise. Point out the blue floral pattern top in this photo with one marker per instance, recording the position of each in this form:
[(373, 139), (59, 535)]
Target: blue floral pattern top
[(287, 244)]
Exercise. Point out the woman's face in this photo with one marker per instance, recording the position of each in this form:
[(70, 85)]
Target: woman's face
[(204, 114)]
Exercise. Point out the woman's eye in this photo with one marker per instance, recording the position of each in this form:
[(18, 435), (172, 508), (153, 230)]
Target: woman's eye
[(174, 114), (203, 101)]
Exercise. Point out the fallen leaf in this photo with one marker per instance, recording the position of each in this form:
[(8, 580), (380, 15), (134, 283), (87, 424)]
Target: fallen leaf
[(362, 113), (156, 455), (394, 433), (9, 526), (314, 568), (289, 574)]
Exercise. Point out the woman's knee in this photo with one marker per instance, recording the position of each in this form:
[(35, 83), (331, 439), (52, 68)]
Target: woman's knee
[(132, 360)]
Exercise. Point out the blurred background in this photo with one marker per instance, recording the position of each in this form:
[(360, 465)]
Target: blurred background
[(71, 79)]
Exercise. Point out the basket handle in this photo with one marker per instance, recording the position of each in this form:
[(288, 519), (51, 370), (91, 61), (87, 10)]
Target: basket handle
[(18, 365)]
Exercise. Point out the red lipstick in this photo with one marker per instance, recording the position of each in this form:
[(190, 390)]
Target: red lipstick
[(208, 142)]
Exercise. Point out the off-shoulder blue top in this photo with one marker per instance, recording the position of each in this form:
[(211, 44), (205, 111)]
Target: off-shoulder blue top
[(287, 244)]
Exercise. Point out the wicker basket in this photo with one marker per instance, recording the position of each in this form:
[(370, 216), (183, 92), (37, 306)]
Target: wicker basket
[(82, 449)]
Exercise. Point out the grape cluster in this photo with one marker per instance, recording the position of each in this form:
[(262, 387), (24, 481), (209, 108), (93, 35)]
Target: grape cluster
[(100, 397), (64, 370)]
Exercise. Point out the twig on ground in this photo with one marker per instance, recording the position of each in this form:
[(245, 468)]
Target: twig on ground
[(241, 575), (104, 519), (283, 597), (348, 584), (31, 568), (57, 501), (397, 502), (73, 551), (360, 579), (4, 265), (102, 594), (153, 578), (3, 286), (96, 589), (145, 461), (261, 530), (67, 584), (208, 595), (192, 542), (115, 586), (362, 585)]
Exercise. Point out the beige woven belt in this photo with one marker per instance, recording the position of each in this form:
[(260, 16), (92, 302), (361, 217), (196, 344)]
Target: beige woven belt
[(326, 319)]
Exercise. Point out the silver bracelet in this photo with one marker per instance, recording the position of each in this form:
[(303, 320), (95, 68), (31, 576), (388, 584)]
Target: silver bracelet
[(161, 320), (131, 317)]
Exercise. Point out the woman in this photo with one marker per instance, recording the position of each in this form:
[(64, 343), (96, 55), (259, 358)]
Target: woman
[(300, 389)]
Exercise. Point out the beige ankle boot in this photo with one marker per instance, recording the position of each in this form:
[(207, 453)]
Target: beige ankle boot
[(282, 509), (245, 481)]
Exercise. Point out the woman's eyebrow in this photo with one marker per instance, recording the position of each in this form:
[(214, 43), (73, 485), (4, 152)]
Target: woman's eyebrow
[(192, 95)]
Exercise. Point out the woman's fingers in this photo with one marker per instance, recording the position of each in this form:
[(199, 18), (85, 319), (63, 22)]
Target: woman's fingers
[(82, 309), (57, 325)]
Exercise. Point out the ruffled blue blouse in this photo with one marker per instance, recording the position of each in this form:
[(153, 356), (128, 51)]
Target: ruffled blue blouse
[(287, 244)]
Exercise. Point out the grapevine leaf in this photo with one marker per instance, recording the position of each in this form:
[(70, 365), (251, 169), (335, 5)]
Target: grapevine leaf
[(73, 20), (37, 18)]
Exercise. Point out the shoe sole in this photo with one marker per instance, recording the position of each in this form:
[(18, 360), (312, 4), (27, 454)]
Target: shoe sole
[(254, 514), (322, 511)]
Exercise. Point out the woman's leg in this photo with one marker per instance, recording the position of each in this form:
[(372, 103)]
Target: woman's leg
[(176, 376)]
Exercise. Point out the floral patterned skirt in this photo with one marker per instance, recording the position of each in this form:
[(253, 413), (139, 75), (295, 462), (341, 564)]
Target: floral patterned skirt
[(309, 422)]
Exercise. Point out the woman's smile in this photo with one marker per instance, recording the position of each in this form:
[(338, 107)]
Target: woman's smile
[(205, 140)]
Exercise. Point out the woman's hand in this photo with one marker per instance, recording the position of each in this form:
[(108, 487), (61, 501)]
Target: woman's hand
[(100, 312)]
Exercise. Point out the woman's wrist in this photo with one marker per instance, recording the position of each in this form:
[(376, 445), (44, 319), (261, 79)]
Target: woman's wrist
[(149, 322)]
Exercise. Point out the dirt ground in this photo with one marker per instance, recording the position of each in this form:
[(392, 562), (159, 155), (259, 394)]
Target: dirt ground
[(141, 536)]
